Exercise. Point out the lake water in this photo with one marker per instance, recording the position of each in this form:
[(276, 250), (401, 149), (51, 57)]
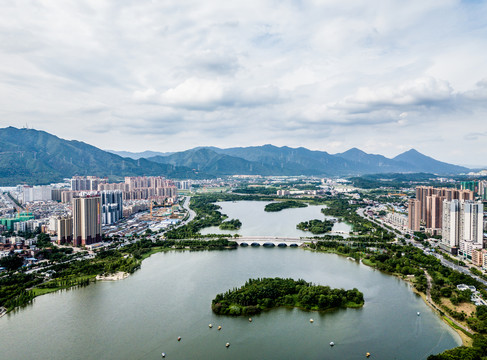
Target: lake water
[(257, 222), (170, 296)]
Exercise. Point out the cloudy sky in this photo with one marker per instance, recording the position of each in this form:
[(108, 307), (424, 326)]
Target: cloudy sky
[(383, 76)]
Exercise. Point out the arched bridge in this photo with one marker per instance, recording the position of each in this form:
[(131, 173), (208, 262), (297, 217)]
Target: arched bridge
[(268, 241)]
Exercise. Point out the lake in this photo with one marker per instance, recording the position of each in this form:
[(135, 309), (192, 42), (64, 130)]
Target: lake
[(170, 296), (257, 222)]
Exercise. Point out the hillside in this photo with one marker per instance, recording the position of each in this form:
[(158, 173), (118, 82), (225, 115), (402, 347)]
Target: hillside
[(423, 163), (37, 157), (208, 161)]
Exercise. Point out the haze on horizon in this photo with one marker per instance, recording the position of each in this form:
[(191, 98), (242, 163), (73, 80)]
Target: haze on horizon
[(382, 76)]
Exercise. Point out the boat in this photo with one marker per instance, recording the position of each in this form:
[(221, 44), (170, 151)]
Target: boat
[(210, 326), (311, 321), (332, 344), (227, 344), (163, 355), (367, 355), (179, 338), (250, 319), (219, 327), (419, 313)]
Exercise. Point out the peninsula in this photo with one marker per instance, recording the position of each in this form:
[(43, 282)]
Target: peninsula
[(281, 205)]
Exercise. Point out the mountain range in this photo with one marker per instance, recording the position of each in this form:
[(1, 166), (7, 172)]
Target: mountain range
[(272, 160), (37, 157)]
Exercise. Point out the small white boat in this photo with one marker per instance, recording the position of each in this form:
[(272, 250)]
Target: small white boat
[(332, 344), (227, 344), (311, 321), (163, 355), (418, 313)]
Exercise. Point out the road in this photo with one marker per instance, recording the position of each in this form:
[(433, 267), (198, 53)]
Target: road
[(192, 214), (8, 198), (444, 261)]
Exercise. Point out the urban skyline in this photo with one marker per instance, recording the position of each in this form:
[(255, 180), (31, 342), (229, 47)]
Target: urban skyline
[(383, 77)]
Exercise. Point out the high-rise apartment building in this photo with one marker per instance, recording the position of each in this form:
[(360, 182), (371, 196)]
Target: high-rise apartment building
[(483, 189), (86, 220), (56, 194), (463, 227), (431, 204), (421, 193), (469, 185), (86, 183), (36, 193), (450, 232), (433, 212), (414, 214), (155, 188), (112, 206), (473, 226), (183, 185), (64, 229)]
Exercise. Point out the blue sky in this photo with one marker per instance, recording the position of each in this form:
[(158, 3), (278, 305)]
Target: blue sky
[(383, 76)]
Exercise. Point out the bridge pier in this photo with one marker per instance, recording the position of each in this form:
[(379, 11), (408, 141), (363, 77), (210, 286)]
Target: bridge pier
[(268, 241)]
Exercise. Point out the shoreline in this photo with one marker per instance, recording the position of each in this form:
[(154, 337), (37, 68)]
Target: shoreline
[(466, 340), (112, 277)]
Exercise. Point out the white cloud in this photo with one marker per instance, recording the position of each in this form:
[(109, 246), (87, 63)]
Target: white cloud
[(197, 94), (420, 92), (167, 75)]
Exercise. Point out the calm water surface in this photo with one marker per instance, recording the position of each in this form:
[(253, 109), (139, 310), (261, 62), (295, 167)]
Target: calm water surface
[(170, 296), (257, 222)]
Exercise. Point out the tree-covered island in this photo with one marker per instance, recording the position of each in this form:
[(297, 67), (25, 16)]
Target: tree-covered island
[(316, 226), (281, 205), (233, 224), (268, 293)]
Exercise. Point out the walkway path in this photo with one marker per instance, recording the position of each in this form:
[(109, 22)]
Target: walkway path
[(433, 305)]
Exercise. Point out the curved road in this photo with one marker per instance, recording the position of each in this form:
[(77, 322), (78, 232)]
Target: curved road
[(192, 214)]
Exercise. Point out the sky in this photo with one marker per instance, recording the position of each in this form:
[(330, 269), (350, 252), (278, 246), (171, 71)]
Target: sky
[(383, 76)]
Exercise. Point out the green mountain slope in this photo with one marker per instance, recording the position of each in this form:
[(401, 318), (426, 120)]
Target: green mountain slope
[(423, 163), (37, 157), (208, 161)]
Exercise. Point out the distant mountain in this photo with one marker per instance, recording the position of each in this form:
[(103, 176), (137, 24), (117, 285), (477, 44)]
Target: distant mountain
[(296, 161), (211, 162), (139, 155), (375, 163), (37, 157), (423, 163), (273, 160)]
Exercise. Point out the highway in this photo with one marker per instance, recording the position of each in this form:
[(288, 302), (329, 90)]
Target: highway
[(444, 261), (192, 214)]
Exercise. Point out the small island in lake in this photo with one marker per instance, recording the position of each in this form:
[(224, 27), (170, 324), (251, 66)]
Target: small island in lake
[(316, 226), (281, 205), (268, 293), (233, 224)]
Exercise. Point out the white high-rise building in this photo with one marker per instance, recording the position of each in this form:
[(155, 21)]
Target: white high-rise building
[(451, 223), (36, 193), (463, 226), (86, 183)]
